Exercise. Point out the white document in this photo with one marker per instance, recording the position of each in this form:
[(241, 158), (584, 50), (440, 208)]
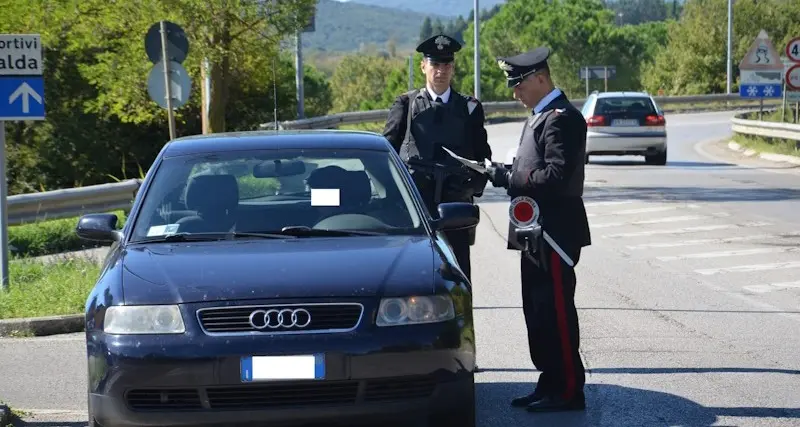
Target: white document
[(467, 162)]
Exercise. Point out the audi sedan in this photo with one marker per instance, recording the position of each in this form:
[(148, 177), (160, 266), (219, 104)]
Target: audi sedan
[(272, 278)]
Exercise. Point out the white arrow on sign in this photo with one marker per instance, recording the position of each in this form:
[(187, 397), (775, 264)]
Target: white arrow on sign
[(26, 92)]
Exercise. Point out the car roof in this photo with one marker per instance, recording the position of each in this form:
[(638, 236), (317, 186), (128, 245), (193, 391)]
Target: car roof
[(271, 139), (622, 94)]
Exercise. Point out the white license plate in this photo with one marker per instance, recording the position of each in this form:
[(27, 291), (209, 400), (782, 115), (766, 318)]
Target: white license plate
[(278, 368), (625, 122)]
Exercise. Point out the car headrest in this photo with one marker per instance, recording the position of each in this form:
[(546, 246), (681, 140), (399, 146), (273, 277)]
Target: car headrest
[(354, 186), (209, 193)]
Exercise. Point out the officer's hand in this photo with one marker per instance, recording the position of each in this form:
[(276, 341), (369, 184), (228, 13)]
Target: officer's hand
[(498, 174)]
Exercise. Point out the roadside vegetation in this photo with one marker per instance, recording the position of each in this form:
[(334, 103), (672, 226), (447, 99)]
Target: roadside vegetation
[(102, 126), (772, 145)]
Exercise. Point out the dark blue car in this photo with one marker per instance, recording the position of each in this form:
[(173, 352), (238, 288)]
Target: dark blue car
[(267, 277)]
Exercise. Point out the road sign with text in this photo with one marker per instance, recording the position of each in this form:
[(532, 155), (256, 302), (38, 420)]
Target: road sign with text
[(21, 81)]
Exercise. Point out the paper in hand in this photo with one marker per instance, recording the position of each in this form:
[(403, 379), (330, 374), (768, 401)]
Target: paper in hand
[(476, 166)]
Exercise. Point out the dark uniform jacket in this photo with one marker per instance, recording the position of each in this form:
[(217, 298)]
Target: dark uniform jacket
[(457, 125), (549, 167)]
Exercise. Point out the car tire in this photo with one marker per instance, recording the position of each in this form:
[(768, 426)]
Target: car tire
[(659, 159), (464, 416)]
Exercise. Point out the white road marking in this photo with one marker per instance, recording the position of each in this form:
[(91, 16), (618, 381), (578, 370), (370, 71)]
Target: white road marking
[(711, 241), (688, 229), (750, 268), (609, 203), (643, 210), (720, 254), (661, 220), (762, 289)]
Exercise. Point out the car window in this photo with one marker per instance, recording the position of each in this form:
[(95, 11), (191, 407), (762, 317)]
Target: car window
[(627, 104), (265, 191), (587, 106)]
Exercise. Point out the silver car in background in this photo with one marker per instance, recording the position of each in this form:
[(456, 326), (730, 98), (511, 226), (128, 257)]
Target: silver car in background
[(625, 124)]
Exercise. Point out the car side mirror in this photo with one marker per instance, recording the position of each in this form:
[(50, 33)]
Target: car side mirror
[(99, 228), (457, 216)]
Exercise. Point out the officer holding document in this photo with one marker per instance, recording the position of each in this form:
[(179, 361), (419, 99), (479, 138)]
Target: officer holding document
[(424, 121), (548, 172)]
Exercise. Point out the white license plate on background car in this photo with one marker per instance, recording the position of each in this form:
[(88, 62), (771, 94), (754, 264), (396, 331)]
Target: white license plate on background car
[(625, 122), (277, 368)]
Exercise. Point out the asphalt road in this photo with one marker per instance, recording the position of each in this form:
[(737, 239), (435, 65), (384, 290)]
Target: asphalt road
[(689, 298)]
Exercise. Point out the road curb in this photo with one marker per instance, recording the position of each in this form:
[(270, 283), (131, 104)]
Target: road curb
[(42, 326), (766, 156)]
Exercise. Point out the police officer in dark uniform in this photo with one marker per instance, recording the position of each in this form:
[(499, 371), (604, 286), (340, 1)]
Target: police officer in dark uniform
[(549, 168), (441, 117)]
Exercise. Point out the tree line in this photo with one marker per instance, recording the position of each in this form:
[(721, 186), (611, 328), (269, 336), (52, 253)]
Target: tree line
[(101, 124)]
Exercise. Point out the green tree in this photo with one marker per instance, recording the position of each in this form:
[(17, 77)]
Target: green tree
[(426, 31)]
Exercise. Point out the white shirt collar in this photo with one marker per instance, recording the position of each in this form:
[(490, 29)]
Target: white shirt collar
[(445, 96), (546, 100)]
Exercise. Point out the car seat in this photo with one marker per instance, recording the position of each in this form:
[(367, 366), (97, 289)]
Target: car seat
[(215, 198)]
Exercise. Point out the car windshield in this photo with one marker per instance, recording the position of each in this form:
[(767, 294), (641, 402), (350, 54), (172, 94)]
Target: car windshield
[(277, 192), (627, 104)]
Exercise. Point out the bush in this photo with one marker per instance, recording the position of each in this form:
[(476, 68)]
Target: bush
[(50, 237)]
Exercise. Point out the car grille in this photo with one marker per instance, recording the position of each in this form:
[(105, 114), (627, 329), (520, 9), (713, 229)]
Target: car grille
[(278, 395), (324, 317)]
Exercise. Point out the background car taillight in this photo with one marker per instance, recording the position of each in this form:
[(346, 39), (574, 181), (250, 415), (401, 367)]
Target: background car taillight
[(655, 120), (596, 121)]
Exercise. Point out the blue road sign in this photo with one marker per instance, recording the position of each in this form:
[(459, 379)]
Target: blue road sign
[(761, 90), (21, 98)]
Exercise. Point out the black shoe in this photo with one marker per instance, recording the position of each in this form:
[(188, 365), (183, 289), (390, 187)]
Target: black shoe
[(557, 404), (526, 400)]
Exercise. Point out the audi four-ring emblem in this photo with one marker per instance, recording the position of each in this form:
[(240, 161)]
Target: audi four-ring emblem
[(285, 318)]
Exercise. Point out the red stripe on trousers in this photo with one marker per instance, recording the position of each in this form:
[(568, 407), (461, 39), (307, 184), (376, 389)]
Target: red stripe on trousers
[(563, 331)]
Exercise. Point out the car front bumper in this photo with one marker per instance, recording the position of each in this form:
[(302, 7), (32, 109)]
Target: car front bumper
[(196, 379)]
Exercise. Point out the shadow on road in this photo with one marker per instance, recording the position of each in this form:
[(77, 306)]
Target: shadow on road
[(609, 405), (670, 164), (693, 194)]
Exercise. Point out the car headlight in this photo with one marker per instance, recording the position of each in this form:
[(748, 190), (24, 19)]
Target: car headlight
[(415, 310), (143, 319)]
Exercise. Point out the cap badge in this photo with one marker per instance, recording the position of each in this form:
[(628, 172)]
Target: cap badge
[(504, 66), (441, 41)]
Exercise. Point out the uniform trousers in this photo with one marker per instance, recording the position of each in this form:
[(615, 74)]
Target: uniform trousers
[(459, 240), (548, 303)]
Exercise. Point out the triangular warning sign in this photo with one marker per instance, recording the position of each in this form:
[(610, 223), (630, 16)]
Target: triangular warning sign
[(761, 55)]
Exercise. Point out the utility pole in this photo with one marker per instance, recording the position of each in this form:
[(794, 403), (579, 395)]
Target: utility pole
[(476, 42), (299, 73), (730, 45)]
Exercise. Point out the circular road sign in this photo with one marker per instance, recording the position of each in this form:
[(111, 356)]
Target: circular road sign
[(793, 49), (180, 85), (793, 77), (177, 43), (523, 211)]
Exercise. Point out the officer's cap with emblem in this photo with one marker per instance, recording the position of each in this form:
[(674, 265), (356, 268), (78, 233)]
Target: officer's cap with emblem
[(520, 66), (440, 48)]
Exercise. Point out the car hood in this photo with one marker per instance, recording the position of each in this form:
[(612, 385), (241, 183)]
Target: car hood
[(292, 268)]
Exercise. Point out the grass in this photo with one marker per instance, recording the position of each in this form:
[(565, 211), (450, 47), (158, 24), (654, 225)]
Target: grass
[(50, 237), (39, 288)]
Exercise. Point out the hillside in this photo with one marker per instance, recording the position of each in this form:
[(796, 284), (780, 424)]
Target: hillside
[(349, 26), (450, 8)]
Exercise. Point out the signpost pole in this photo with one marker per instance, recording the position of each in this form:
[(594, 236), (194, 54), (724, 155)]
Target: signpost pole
[(605, 78), (476, 24), (587, 81), (21, 99), (167, 83), (4, 255), (410, 72)]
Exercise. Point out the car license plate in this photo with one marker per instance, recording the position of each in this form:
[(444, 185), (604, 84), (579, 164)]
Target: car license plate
[(281, 368), (625, 122)]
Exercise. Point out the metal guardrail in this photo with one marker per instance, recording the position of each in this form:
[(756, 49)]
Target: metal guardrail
[(70, 202), (766, 129), (25, 208), (357, 117)]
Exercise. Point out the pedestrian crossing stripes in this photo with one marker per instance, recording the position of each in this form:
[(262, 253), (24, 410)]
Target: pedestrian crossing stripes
[(747, 254)]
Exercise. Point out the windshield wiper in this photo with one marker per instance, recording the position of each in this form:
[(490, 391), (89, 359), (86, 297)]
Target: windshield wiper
[(304, 231), (210, 236)]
